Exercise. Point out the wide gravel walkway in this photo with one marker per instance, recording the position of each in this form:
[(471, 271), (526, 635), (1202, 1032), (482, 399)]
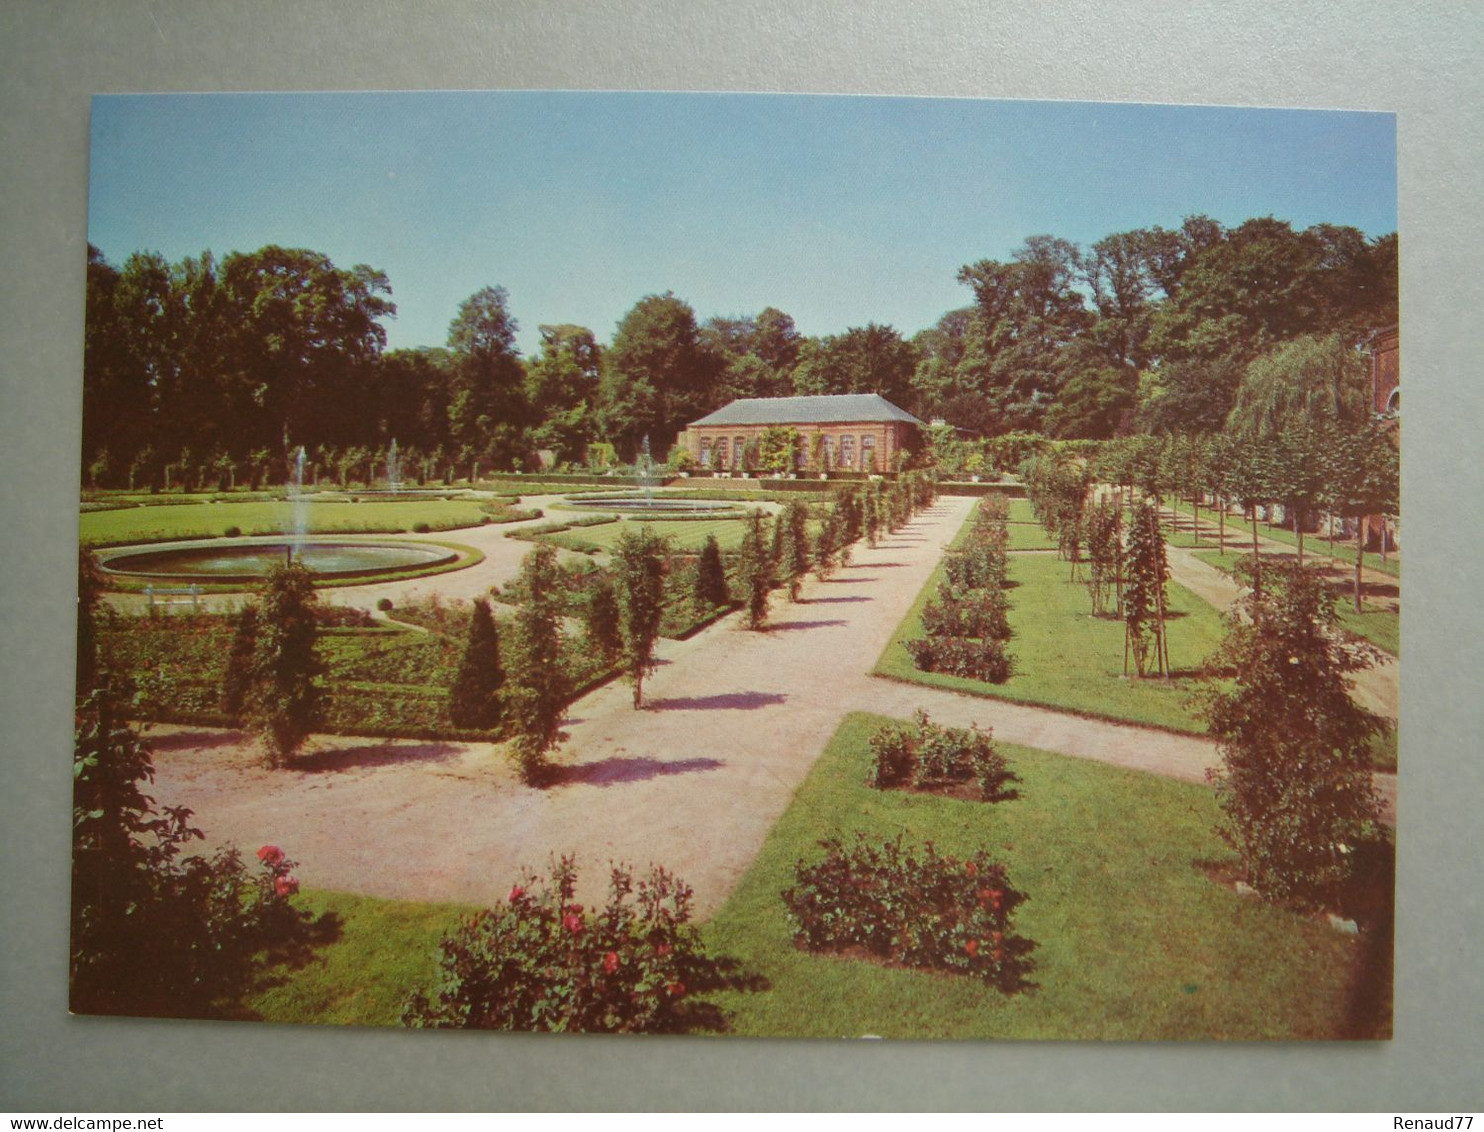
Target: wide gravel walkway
[(733, 722)]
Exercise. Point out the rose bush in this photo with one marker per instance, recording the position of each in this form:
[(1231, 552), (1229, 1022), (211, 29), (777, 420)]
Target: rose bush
[(913, 908), (931, 756), (544, 962), (156, 931)]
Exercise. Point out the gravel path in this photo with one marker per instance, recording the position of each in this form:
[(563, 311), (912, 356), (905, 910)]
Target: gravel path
[(733, 722), (1377, 687)]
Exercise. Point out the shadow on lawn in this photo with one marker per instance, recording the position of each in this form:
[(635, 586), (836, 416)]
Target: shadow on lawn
[(723, 701)]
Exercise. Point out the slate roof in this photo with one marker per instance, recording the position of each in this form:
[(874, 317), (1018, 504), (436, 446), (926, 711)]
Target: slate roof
[(844, 408)]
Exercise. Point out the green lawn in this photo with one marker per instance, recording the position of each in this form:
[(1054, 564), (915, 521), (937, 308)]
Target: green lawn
[(1028, 536), (1382, 627), (1066, 658), (382, 951), (1316, 544), (211, 520), (683, 535), (1134, 941)]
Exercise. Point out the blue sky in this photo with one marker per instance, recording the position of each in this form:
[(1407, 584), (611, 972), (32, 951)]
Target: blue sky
[(838, 210)]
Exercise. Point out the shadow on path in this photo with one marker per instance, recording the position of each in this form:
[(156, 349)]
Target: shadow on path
[(723, 701), (318, 762), (618, 771), (807, 624), (194, 740), (830, 600)]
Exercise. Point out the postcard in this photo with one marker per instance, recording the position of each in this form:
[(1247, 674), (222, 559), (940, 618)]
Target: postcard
[(752, 565)]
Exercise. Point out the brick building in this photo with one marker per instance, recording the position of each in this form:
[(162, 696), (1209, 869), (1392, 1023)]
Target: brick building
[(851, 432)]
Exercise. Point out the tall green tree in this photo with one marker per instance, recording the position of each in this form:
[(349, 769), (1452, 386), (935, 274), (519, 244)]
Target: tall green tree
[(1029, 310), (865, 359), (284, 700), (474, 698), (791, 547), (639, 582), (1362, 479), (1295, 782), (89, 598), (602, 621), (1145, 573), (487, 408), (537, 686), (658, 375), (711, 576), (755, 571)]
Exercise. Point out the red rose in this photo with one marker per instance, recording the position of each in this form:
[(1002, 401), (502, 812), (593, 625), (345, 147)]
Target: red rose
[(996, 936), (664, 949), (573, 923), (270, 855), (971, 869), (610, 962), (286, 886), (972, 947), (676, 989), (516, 893)]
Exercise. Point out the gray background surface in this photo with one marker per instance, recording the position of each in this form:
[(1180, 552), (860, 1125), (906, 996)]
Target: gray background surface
[(1421, 61)]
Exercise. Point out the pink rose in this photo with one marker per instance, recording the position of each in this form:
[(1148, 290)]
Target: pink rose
[(270, 855), (286, 886), (516, 893), (573, 923)]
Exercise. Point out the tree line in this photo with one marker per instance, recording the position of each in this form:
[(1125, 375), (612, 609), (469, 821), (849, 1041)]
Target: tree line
[(210, 371)]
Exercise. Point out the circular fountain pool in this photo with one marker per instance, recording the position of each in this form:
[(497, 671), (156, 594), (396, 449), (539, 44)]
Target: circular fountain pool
[(249, 560)]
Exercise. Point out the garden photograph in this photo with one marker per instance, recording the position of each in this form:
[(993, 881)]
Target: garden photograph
[(787, 566)]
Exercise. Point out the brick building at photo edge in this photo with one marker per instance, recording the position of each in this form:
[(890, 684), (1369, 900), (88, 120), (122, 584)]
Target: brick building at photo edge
[(855, 431)]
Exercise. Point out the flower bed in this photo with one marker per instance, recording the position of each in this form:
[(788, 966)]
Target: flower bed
[(911, 908), (541, 961), (939, 759)]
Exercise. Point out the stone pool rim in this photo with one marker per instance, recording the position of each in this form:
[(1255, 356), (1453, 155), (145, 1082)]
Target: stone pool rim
[(435, 557)]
